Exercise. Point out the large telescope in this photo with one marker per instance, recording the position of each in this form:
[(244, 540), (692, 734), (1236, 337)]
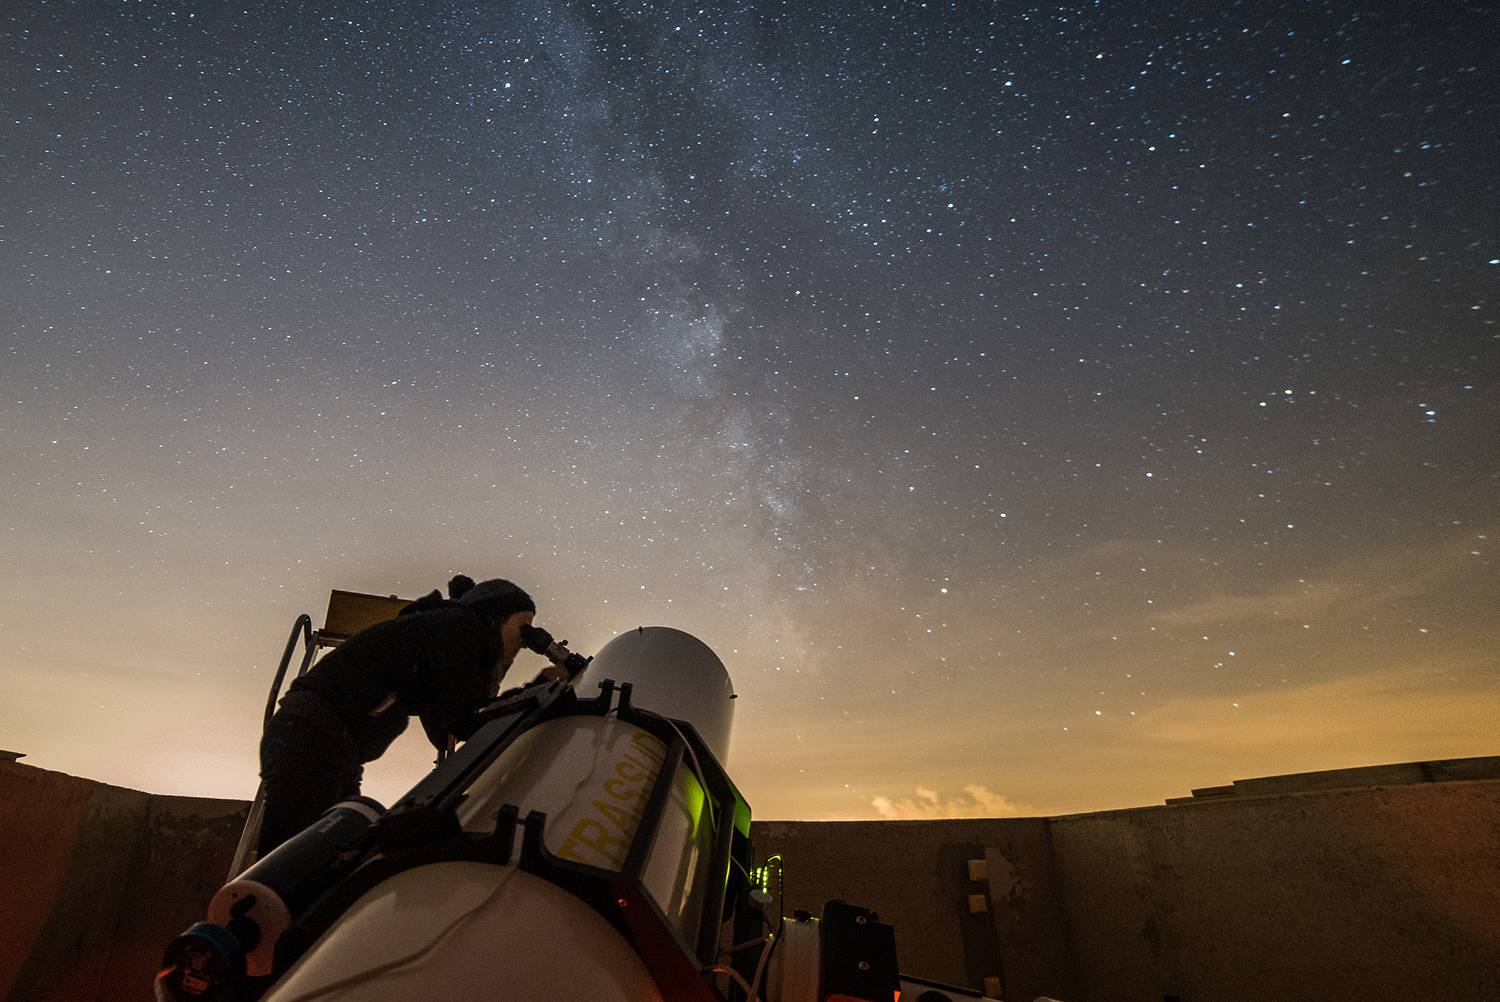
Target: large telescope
[(587, 847)]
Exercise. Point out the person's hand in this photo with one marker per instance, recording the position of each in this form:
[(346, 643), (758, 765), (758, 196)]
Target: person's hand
[(555, 673)]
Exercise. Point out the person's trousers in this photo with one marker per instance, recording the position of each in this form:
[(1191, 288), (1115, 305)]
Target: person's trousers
[(308, 763)]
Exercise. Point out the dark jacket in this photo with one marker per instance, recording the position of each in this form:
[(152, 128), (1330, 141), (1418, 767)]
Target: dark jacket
[(436, 659)]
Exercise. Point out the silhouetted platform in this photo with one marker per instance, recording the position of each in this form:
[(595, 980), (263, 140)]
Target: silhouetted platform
[(1444, 770)]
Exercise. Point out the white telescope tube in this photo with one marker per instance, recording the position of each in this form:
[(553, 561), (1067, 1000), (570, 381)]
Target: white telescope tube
[(673, 673)]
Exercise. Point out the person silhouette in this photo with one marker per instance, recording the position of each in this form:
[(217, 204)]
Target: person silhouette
[(439, 659)]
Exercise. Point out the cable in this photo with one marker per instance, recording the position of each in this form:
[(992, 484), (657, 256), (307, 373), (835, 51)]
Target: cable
[(745, 985), (708, 797), (780, 893), (747, 944), (765, 958), (780, 888), (762, 966), (392, 965)]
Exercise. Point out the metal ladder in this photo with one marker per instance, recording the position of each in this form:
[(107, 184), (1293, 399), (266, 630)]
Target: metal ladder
[(348, 613)]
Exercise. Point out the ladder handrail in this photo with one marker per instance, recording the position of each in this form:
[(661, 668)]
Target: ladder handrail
[(304, 626), (251, 832)]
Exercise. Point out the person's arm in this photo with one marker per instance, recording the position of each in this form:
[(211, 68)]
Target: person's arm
[(457, 684), (436, 730), (450, 716)]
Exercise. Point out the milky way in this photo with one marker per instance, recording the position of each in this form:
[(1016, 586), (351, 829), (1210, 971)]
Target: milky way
[(1038, 409)]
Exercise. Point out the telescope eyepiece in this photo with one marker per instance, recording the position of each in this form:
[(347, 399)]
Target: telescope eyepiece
[(536, 639)]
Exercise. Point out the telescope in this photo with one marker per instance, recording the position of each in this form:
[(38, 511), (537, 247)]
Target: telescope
[(586, 842)]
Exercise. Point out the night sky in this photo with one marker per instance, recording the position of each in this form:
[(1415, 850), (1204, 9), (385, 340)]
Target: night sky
[(1039, 409)]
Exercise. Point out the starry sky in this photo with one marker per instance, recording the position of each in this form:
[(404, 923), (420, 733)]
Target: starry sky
[(1038, 408)]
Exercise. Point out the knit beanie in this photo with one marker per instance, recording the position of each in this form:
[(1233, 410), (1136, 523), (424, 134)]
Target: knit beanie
[(497, 597)]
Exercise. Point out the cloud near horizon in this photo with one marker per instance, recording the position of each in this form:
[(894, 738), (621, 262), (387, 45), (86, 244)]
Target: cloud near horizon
[(977, 801)]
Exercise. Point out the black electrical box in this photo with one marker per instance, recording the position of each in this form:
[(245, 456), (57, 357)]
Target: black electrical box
[(859, 955)]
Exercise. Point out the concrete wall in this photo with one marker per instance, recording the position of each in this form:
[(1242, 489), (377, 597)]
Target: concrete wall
[(1383, 893), (1364, 894), (916, 875), (95, 881)]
